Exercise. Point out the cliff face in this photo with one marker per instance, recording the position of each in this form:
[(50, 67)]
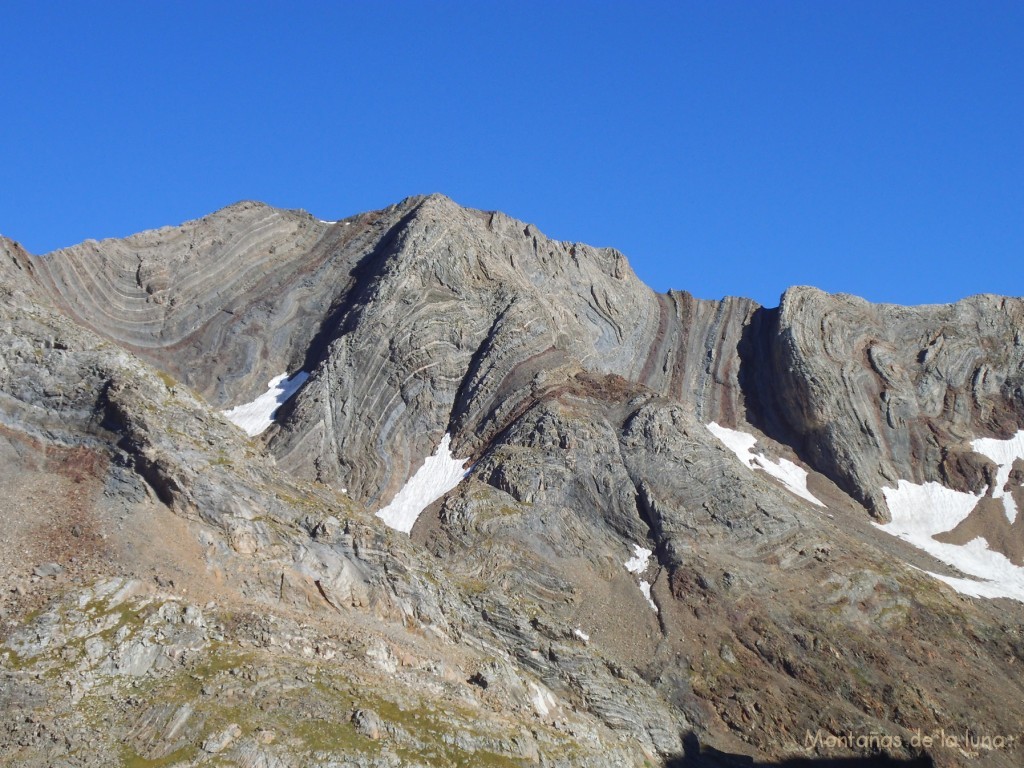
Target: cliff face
[(223, 303), (471, 309), (666, 523), (876, 393)]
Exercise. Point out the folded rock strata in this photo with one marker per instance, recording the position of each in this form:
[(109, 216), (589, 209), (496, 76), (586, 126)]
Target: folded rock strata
[(582, 400)]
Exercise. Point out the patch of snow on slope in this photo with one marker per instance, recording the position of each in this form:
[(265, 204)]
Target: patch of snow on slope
[(257, 416), (438, 475), (783, 470), (919, 512), (645, 587), (1003, 453), (638, 564)]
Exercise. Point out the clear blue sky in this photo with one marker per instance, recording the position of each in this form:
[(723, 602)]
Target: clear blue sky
[(727, 148)]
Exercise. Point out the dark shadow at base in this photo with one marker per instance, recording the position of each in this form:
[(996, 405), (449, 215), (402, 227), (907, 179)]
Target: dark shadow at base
[(696, 755)]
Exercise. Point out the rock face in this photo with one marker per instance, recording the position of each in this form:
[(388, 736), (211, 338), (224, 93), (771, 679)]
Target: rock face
[(609, 576), (871, 394), (223, 303)]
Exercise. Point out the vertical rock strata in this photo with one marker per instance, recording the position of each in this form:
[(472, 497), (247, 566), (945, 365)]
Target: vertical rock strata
[(582, 398), (874, 393)]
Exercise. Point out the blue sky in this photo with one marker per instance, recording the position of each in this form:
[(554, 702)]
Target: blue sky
[(727, 148)]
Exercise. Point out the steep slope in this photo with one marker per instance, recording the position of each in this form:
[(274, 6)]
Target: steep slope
[(224, 303), (170, 597), (228, 302), (876, 393), (464, 320), (662, 524)]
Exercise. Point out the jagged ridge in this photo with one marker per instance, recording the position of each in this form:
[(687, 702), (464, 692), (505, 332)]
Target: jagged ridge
[(582, 397)]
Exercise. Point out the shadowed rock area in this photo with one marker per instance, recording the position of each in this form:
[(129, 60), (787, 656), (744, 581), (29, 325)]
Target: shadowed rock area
[(243, 596), (700, 756)]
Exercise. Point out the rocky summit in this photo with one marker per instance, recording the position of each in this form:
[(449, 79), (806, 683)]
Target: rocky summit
[(424, 487)]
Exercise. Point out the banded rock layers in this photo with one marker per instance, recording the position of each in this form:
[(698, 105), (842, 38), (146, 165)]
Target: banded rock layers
[(427, 316), (583, 399)]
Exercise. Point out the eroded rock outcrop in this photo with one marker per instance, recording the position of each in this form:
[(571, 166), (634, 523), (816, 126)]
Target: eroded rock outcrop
[(876, 393), (610, 566), (165, 503)]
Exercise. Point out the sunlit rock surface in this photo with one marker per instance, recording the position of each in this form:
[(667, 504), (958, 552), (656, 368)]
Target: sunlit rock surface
[(757, 458)]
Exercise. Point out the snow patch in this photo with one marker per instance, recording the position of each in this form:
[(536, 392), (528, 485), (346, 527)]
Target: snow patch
[(257, 416), (1009, 508), (919, 512), (783, 470), (1003, 453), (582, 635), (645, 587), (439, 474), (638, 562)]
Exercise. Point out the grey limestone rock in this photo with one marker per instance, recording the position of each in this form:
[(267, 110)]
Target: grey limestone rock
[(508, 624), (870, 394)]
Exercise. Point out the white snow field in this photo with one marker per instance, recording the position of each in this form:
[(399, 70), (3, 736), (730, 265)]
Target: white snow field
[(645, 587), (1003, 453), (783, 470), (439, 474), (919, 512), (638, 564), (257, 416)]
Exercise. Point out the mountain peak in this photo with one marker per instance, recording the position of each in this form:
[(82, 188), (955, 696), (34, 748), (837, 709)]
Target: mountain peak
[(623, 514)]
